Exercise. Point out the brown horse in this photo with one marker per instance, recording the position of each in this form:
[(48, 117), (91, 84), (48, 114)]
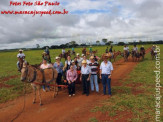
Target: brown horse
[(38, 77), (84, 51), (21, 60), (110, 56), (94, 52), (65, 55)]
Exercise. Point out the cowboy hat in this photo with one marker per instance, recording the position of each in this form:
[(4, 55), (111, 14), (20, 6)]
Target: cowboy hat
[(57, 58), (82, 54), (92, 57), (84, 62), (20, 50), (77, 54)]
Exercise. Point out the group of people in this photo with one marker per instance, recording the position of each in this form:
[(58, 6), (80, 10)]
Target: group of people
[(80, 69)]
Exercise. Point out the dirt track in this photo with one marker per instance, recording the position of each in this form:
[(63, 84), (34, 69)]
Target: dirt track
[(62, 108)]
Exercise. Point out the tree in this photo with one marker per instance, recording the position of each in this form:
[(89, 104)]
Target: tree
[(37, 46), (121, 43), (72, 43), (104, 40), (97, 42)]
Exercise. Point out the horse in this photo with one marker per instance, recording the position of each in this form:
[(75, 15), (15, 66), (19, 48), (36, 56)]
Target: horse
[(142, 54), (114, 55), (94, 52), (65, 55), (153, 54), (21, 61), (84, 51), (110, 56), (126, 55), (135, 55), (38, 77)]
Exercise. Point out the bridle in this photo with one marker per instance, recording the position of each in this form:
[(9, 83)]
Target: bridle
[(26, 75)]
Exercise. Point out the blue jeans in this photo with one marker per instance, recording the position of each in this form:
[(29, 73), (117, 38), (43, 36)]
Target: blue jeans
[(18, 65), (106, 81), (93, 81)]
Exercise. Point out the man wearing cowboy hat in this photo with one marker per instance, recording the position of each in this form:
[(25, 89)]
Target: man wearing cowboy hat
[(85, 77), (106, 69), (21, 57)]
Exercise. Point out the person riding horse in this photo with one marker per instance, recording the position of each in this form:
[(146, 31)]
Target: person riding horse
[(111, 51), (135, 53), (21, 59), (142, 51), (72, 51), (46, 57), (153, 53), (126, 52)]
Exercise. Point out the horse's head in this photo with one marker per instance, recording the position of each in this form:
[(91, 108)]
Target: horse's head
[(27, 73), (24, 72)]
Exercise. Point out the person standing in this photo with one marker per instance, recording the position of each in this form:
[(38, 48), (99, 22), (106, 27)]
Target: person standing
[(94, 69), (71, 78), (68, 62), (58, 65), (43, 66), (85, 77), (106, 69)]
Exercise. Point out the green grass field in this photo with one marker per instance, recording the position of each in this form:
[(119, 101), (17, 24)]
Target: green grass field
[(8, 68), (141, 105)]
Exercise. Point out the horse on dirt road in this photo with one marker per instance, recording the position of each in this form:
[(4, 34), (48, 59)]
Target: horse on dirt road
[(126, 55), (38, 77)]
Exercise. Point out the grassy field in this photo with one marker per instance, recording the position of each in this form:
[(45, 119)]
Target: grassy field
[(141, 104), (8, 68)]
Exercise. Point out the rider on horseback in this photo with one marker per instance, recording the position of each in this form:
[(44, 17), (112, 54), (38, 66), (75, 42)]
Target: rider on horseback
[(111, 50), (63, 52), (21, 59), (135, 49), (142, 49)]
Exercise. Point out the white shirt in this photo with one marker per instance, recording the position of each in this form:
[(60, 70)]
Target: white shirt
[(20, 55), (106, 68), (43, 66), (128, 48), (135, 48), (63, 51), (80, 61), (125, 48), (85, 70)]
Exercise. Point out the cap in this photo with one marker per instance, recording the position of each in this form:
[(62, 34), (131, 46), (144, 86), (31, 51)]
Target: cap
[(77, 54)]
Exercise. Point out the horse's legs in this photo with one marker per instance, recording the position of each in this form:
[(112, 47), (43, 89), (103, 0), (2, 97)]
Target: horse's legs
[(55, 89), (39, 93), (34, 89)]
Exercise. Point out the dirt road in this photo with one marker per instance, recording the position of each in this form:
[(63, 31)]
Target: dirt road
[(62, 108)]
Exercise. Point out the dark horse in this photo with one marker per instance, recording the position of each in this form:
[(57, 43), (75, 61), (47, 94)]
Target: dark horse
[(135, 56), (153, 54), (126, 55)]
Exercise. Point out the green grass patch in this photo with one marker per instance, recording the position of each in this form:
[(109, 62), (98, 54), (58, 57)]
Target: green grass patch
[(141, 105)]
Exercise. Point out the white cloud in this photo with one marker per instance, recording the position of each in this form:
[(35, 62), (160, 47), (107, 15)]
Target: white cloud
[(99, 19)]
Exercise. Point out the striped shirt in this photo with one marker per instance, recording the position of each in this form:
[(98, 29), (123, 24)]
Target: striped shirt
[(94, 67)]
